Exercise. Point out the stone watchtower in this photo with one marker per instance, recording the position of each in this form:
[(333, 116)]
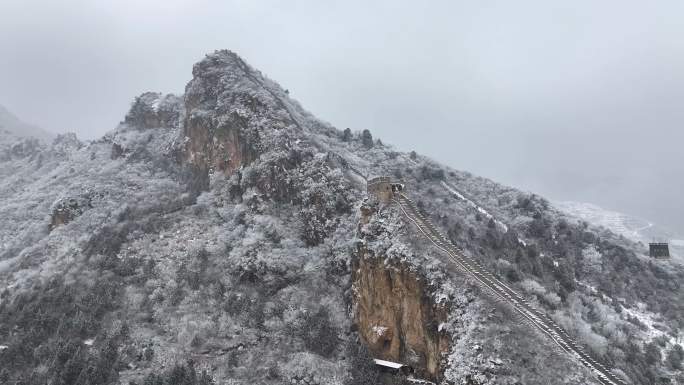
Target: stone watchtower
[(659, 250), (382, 188)]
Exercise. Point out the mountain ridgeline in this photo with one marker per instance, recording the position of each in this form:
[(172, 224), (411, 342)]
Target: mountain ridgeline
[(226, 236)]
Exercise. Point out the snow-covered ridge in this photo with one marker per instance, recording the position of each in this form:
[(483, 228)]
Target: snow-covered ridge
[(631, 227), (12, 128)]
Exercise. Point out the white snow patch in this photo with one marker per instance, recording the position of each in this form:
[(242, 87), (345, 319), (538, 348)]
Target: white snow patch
[(454, 191), (441, 297), (155, 104), (5, 265), (482, 211), (591, 288), (533, 287), (379, 330), (645, 317)]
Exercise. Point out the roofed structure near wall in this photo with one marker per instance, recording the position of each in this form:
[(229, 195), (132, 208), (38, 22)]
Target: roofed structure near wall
[(393, 367)]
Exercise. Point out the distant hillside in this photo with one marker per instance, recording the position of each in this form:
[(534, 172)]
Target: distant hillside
[(631, 227), (13, 127)]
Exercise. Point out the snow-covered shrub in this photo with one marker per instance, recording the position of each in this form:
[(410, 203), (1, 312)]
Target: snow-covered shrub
[(363, 370), (532, 287), (180, 374), (675, 356), (316, 331)]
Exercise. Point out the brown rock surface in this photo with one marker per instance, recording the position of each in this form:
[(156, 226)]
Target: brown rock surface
[(397, 316)]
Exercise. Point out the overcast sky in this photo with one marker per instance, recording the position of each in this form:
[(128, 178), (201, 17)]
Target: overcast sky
[(576, 100)]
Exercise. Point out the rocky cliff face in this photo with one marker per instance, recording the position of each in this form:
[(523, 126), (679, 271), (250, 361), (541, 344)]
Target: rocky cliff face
[(66, 210), (411, 306), (395, 310), (154, 110), (396, 315), (226, 111)]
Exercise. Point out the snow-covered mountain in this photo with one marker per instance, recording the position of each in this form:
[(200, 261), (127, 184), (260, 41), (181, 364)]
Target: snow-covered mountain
[(19, 139), (13, 127), (225, 235), (634, 228)]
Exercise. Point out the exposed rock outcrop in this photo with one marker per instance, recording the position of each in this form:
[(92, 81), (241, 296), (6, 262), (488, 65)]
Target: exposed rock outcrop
[(67, 209), (227, 110), (396, 316), (396, 313), (219, 132), (65, 144), (154, 110)]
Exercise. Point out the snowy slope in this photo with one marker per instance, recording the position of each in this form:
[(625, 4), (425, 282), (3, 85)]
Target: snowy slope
[(631, 227), (13, 127), (220, 227)]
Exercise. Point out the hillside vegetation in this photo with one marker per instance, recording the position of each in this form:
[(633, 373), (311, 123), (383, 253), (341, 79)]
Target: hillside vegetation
[(210, 238)]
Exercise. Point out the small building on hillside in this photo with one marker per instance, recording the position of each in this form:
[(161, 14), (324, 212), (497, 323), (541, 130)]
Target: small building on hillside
[(659, 250), (393, 367)]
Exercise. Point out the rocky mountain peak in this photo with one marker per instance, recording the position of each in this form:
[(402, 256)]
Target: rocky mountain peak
[(231, 113), (221, 74), (221, 61)]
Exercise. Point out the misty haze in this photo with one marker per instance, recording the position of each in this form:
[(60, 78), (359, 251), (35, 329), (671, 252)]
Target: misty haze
[(577, 102), (242, 192)]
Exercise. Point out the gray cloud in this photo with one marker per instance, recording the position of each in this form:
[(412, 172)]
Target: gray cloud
[(576, 101)]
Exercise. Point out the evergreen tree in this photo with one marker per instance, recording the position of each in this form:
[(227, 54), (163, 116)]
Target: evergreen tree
[(367, 139), (675, 357), (347, 135), (362, 368)]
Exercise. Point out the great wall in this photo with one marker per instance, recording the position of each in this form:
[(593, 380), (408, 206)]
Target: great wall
[(388, 192)]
